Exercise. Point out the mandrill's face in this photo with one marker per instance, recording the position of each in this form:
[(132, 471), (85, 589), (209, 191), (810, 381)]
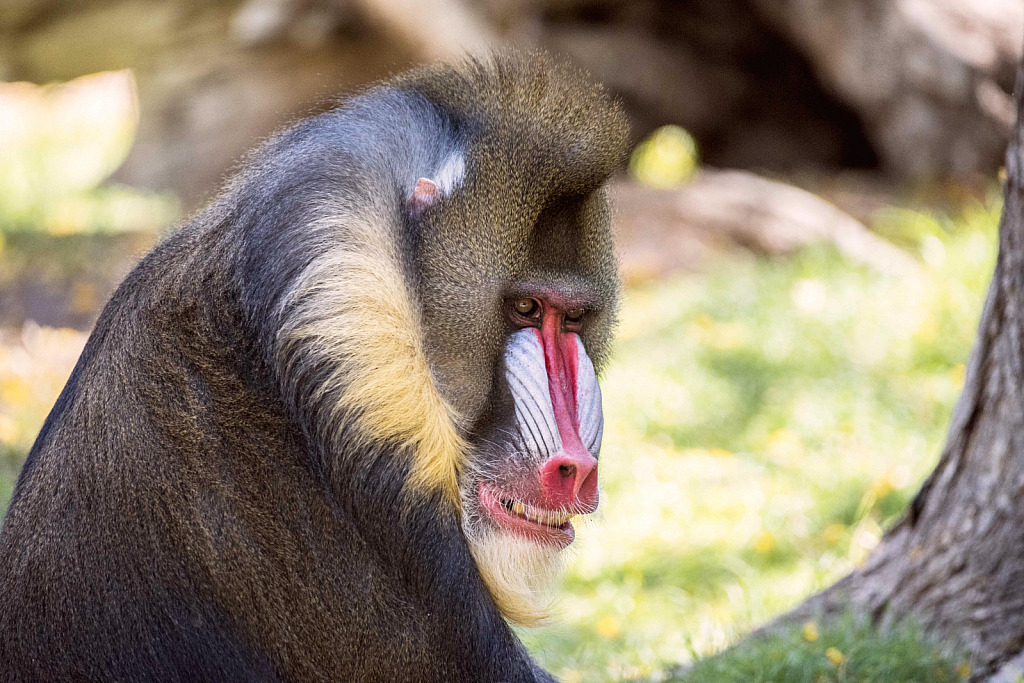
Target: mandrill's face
[(537, 463), (534, 467)]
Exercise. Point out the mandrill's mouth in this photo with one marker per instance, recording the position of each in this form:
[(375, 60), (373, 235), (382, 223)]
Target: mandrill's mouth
[(545, 526)]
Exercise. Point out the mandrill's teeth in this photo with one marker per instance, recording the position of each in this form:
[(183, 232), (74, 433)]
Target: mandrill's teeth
[(536, 515), (531, 513)]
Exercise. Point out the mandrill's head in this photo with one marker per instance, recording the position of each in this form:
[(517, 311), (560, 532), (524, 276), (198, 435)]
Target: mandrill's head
[(518, 289)]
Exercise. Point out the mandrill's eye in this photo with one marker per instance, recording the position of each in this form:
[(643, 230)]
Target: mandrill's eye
[(574, 315), (526, 307)]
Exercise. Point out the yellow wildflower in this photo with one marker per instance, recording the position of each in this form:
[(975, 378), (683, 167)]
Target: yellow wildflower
[(835, 656), (607, 627), (764, 543)]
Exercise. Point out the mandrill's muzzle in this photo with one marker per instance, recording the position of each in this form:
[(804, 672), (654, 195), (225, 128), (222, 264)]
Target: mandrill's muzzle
[(557, 414)]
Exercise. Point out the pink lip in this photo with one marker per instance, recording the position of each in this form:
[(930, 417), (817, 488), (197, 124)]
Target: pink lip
[(491, 500)]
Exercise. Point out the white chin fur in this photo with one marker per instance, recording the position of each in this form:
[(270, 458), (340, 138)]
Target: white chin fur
[(520, 574)]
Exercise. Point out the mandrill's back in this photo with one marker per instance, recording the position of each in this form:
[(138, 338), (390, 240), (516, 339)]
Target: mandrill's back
[(103, 552), (168, 524)]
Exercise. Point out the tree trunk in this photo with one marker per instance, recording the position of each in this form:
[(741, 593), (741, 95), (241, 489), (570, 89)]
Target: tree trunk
[(956, 561)]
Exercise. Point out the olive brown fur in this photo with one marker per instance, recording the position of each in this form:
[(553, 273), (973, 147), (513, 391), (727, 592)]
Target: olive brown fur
[(256, 470)]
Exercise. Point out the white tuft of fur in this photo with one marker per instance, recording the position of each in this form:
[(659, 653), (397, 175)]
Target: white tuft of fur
[(450, 174), (520, 574)]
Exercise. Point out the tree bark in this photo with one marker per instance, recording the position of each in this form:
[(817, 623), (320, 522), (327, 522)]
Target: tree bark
[(929, 78), (955, 562)]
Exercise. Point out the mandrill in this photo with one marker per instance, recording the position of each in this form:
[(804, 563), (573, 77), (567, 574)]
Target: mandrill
[(337, 426)]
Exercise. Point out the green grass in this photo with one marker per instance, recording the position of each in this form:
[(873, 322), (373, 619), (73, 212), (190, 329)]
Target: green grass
[(766, 421), (844, 652)]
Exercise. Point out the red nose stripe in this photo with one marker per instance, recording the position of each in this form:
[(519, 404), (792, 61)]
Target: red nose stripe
[(560, 361), (568, 478)]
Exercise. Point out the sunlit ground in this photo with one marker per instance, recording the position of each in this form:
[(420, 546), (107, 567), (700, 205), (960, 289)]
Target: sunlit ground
[(766, 420)]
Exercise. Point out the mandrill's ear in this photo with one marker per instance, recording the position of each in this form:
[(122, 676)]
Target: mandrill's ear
[(423, 196), (444, 181)]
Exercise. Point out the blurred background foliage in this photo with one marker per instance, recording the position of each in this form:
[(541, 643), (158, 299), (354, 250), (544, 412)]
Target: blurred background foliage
[(667, 157), (60, 143), (770, 412)]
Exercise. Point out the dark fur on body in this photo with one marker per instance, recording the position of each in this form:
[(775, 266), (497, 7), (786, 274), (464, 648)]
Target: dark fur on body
[(202, 503)]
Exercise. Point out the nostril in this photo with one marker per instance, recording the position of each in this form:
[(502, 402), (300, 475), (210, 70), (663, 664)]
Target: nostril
[(569, 479)]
